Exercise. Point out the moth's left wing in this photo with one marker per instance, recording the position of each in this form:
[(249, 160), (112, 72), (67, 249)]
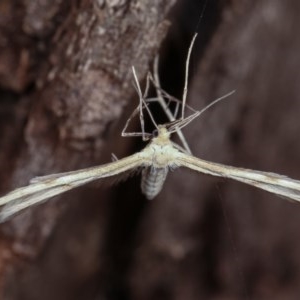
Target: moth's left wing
[(45, 187), (271, 182)]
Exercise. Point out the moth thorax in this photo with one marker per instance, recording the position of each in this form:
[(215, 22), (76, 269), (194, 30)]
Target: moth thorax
[(152, 181)]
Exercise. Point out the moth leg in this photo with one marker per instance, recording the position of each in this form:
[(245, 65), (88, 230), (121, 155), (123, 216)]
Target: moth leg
[(162, 102)]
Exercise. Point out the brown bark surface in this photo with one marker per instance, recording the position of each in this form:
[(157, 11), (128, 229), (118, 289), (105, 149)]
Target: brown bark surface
[(66, 92)]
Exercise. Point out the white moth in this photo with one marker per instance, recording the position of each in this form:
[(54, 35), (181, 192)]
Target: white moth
[(155, 160)]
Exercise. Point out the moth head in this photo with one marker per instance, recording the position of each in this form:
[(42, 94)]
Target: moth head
[(161, 133)]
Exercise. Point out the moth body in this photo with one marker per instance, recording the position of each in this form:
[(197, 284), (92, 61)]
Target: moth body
[(161, 153), (152, 181)]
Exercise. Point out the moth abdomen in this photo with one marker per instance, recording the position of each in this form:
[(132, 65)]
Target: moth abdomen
[(152, 181)]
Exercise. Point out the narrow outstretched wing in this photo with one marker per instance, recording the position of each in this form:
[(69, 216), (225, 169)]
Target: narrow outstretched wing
[(271, 182), (45, 187)]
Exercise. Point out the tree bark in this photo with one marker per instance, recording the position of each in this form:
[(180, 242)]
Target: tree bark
[(71, 64), (66, 81)]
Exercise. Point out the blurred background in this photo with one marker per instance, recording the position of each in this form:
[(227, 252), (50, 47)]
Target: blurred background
[(65, 94)]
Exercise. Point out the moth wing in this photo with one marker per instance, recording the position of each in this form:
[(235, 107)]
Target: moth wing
[(45, 187), (271, 182), (105, 181)]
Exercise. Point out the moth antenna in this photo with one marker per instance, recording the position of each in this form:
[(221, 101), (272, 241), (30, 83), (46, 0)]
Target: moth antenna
[(184, 122), (181, 123), (215, 102)]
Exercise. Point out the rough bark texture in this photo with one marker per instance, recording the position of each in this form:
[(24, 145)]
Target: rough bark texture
[(65, 79)]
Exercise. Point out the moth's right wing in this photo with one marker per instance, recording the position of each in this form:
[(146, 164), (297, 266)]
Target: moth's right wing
[(271, 182), (45, 187)]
